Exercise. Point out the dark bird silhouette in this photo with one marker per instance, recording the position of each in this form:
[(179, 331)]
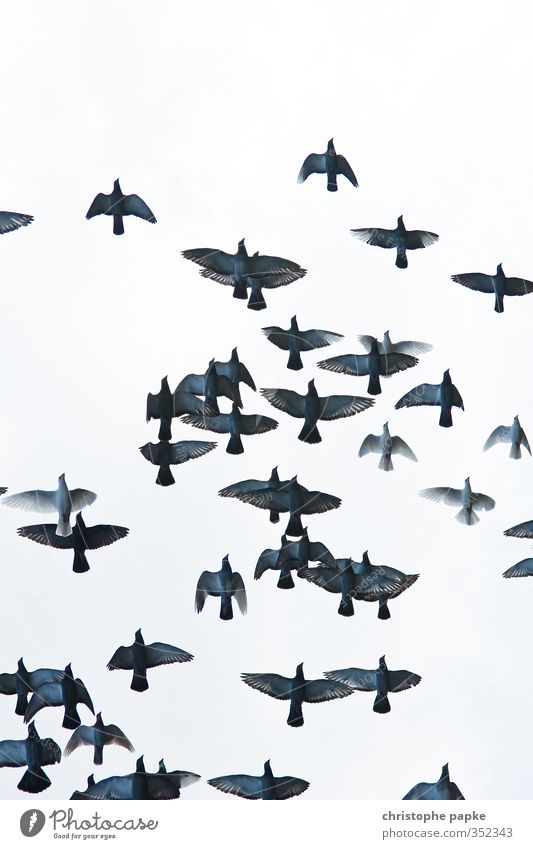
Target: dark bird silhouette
[(513, 435), (464, 498), (213, 385), (140, 657), (330, 163), (443, 789), (523, 531), (523, 569), (236, 490), (80, 540), (61, 500), (98, 736), (386, 445), (34, 753), (498, 285), (297, 690), (383, 680), (400, 239), (67, 693), (224, 584), (118, 205), (22, 682), (372, 365), (265, 786), (312, 408), (235, 371), (10, 221), (370, 571), (444, 395), (289, 497), (237, 424), (82, 794), (139, 785), (343, 580), (167, 405), (293, 555), (167, 454), (297, 341), (386, 346)]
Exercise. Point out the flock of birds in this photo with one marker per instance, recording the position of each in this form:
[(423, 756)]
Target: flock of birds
[(195, 401)]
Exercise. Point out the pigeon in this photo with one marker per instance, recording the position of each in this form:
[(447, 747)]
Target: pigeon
[(498, 285), (34, 753), (289, 497), (443, 789), (236, 269), (61, 500), (524, 530), (98, 736), (224, 584), (82, 794), (10, 221), (382, 679), (236, 490), (330, 163), (167, 454), (81, 539), (140, 657), (343, 579), (293, 555), (389, 347), (117, 204), (67, 693), (372, 364), (298, 690), (237, 424), (523, 569), (513, 434), (22, 682), (212, 385), (444, 395), (386, 445), (265, 786), (167, 405), (312, 408), (139, 785), (401, 239), (235, 371), (371, 572), (467, 499), (297, 341)]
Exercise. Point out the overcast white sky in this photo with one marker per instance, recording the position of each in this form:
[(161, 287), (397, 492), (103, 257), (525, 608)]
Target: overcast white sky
[(207, 111)]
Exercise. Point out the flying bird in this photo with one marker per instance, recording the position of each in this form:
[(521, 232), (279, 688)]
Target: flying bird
[(256, 301), (383, 680), (167, 454), (330, 163), (140, 657), (10, 221), (22, 682), (498, 285), (80, 540), (167, 405), (443, 789), (524, 530), (444, 395), (212, 385), (33, 753), (118, 205), (342, 579), (464, 498), (235, 371), (292, 555), (371, 572), (225, 585), (513, 435), (312, 408), (400, 239), (139, 785), (297, 341), (60, 500), (66, 693), (97, 736), (265, 786), (386, 445), (236, 490), (523, 569), (386, 346), (237, 424), (373, 364)]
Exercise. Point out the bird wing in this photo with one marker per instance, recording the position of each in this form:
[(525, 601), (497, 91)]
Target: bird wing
[(371, 586), (118, 787), (218, 265), (190, 450), (217, 424), (476, 281), (113, 734), (268, 559), (40, 677), (341, 406), (315, 163), (393, 363), (134, 205), (208, 582), (39, 500), (287, 786), (122, 659), (286, 400), (279, 337), (402, 585), (358, 679), (151, 452), (446, 494), (319, 553), (401, 679), (344, 168), (409, 347), (246, 377), (256, 424), (517, 286), (185, 401), (158, 654), (402, 448), (325, 578), (274, 266), (100, 205), (10, 221), (524, 530), (499, 434), (483, 502), (322, 690), (50, 752), (523, 569), (239, 591), (49, 695), (82, 695), (355, 364), (84, 735), (45, 535), (8, 683), (99, 535), (13, 753), (415, 239), (247, 786), (168, 785), (235, 490), (423, 790), (376, 236), (270, 684), (426, 394), (81, 498), (152, 406), (523, 440), (318, 502), (371, 444), (457, 400), (309, 340)]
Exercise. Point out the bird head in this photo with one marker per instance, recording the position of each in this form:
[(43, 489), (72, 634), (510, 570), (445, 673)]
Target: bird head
[(366, 559), (274, 477), (499, 269), (400, 221), (266, 766), (234, 354), (162, 767), (139, 637), (68, 670), (331, 146), (164, 382), (382, 664), (300, 669), (446, 378), (62, 476), (116, 185), (99, 718), (445, 773), (467, 481), (139, 766), (225, 563)]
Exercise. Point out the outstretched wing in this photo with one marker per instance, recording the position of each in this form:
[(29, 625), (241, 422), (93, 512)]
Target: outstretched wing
[(217, 424), (394, 363), (208, 584), (344, 168), (82, 695), (371, 444), (99, 535), (400, 447), (443, 494), (39, 500), (247, 786), (309, 340), (270, 684), (158, 654), (46, 535), (84, 735), (319, 553), (499, 434), (323, 690), (268, 559), (340, 406), (415, 239), (235, 490), (424, 395), (376, 236), (49, 695), (315, 163), (190, 450), (358, 679), (134, 205), (218, 265), (355, 364), (8, 683), (286, 400), (483, 502), (401, 679), (524, 530), (517, 286), (314, 501), (122, 659), (239, 592), (114, 735), (523, 569), (287, 786), (13, 753), (250, 425), (100, 205), (324, 577), (10, 221), (476, 281), (279, 337), (81, 498)]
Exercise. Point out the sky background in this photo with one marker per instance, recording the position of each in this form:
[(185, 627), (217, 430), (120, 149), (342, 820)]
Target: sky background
[(208, 112)]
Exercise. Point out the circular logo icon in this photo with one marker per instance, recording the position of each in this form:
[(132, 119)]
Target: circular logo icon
[(32, 822)]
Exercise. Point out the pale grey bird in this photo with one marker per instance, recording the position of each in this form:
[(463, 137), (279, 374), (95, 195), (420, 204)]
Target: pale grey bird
[(212, 385), (513, 435), (371, 365), (34, 753), (265, 786), (167, 454), (236, 424), (66, 693), (61, 500), (387, 346), (22, 682), (118, 205), (523, 569), (382, 680), (10, 221), (293, 555), (139, 785), (524, 530), (225, 585), (386, 445), (444, 395), (297, 341), (465, 498), (140, 657), (330, 163), (372, 572), (400, 239), (97, 736), (443, 789), (497, 284), (342, 579)]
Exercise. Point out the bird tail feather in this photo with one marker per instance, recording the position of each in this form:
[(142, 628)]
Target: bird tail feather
[(383, 611), (309, 433), (374, 386), (22, 704), (240, 291), (274, 517), (226, 609), (235, 444), (295, 527), (80, 563), (165, 476), (346, 607), (295, 717), (34, 781), (385, 463), (71, 719), (118, 225), (256, 300), (467, 516), (139, 683), (515, 453), (165, 432), (445, 417), (381, 705), (498, 303), (285, 581), (295, 361), (64, 528), (401, 258)]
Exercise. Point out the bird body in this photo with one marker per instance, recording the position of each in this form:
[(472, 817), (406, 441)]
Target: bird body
[(224, 584), (118, 205), (372, 364), (266, 786), (371, 572), (297, 341), (330, 163), (513, 434), (443, 789), (343, 579), (140, 657), (444, 395), (497, 284), (464, 497), (386, 445), (400, 239), (292, 555), (61, 500), (237, 490), (381, 680), (167, 454)]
